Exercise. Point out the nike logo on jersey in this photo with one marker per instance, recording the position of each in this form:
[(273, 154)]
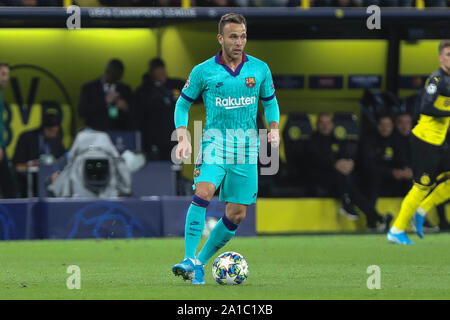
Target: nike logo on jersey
[(219, 84)]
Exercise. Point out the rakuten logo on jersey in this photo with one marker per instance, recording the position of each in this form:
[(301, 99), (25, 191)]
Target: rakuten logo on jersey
[(232, 103)]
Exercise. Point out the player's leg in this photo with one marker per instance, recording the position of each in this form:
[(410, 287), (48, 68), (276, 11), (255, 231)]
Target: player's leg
[(239, 189), (224, 231), (195, 222), (206, 178), (426, 159), (195, 218), (439, 195)]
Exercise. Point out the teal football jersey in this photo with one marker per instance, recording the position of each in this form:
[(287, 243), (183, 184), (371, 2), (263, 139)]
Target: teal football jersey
[(231, 101)]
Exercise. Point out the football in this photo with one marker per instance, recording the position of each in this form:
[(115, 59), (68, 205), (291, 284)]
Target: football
[(230, 268)]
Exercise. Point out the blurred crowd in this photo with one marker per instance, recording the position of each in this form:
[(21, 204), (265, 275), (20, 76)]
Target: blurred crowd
[(226, 3), (354, 161)]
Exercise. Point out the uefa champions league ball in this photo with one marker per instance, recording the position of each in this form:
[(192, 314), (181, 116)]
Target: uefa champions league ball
[(230, 268)]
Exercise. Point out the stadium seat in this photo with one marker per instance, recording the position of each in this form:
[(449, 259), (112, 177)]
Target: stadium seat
[(346, 129), (295, 135), (297, 130), (345, 126), (375, 103)]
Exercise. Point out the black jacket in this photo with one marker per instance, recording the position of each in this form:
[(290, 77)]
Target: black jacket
[(437, 86), (32, 144), (154, 107), (94, 110), (324, 151), (380, 155)]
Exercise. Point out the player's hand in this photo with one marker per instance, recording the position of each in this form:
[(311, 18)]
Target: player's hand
[(274, 138), (184, 149)]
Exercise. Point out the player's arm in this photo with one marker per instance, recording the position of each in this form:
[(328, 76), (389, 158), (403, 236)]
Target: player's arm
[(188, 95), (433, 103), (271, 109)]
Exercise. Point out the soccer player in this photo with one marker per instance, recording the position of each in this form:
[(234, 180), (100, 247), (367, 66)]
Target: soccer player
[(231, 83), (439, 195), (427, 141)]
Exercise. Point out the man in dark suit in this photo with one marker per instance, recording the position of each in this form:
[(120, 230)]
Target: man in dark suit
[(46, 140), (155, 102), (44, 144), (7, 184), (105, 102)]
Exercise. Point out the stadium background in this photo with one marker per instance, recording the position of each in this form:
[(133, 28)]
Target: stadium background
[(74, 57)]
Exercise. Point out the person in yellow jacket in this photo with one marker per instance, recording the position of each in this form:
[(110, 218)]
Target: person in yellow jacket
[(429, 154)]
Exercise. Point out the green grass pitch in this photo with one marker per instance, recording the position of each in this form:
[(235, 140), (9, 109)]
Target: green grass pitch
[(280, 267)]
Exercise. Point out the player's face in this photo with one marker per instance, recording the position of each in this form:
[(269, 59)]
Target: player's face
[(444, 59), (325, 125), (385, 127), (4, 76), (233, 40)]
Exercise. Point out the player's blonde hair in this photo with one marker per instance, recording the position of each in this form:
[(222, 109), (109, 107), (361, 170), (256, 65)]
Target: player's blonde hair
[(231, 18)]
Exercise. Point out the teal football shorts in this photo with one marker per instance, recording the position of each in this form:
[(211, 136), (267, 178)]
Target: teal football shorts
[(238, 182)]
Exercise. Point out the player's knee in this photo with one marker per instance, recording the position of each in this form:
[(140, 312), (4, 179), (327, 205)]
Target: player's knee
[(204, 194), (238, 216)]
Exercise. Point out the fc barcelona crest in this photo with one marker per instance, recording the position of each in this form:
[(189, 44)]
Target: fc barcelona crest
[(250, 82)]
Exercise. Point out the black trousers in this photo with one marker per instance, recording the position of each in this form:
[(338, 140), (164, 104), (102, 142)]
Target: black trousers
[(7, 183), (335, 184)]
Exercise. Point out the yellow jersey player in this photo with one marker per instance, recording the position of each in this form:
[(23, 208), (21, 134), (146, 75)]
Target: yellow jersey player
[(439, 195), (427, 141)]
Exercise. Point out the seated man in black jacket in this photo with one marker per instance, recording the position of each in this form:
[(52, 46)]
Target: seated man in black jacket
[(105, 102), (403, 154), (44, 144), (332, 172), (156, 97), (385, 162)]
